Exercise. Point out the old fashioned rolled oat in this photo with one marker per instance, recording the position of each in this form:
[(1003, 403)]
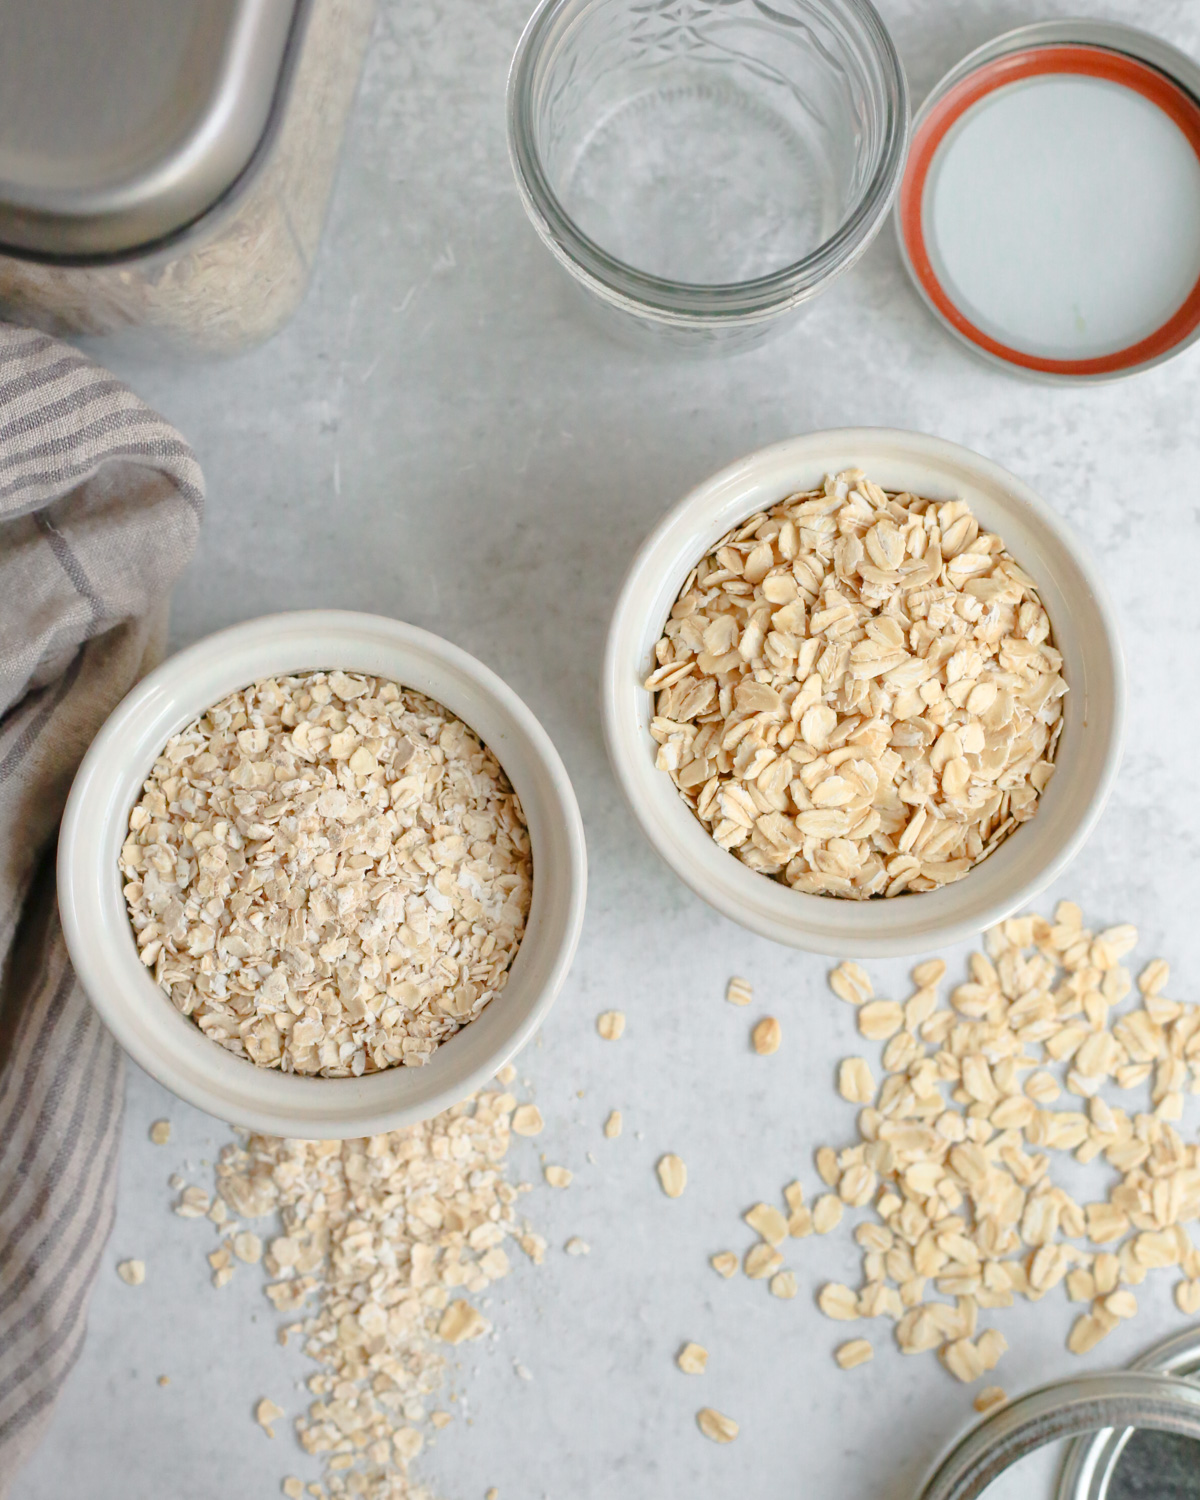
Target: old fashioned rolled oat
[(672, 1174), (958, 1145), (715, 1425), (328, 873), (854, 1352), (857, 693)]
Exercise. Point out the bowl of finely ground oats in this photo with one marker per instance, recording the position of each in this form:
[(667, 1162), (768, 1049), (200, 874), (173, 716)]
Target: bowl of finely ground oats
[(322, 874), (864, 692)]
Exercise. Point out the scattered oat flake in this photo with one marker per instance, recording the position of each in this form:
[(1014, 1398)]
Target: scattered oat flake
[(1187, 1297), (765, 1036), (132, 1272), (849, 982), (853, 1353), (461, 1322), (783, 1284), (837, 1301), (989, 1397), (612, 1126), (880, 1019), (160, 1132), (724, 1263), (1087, 1331), (193, 1203), (491, 1494), (672, 1174), (266, 1413), (527, 1120), (558, 1177), (955, 1159), (800, 1222), (739, 991), (534, 1245), (407, 1443), (762, 1260), (692, 1359), (610, 1024), (827, 1213), (247, 1247), (576, 1246), (714, 1425), (855, 1083), (164, 1380), (962, 1359), (293, 1488), (385, 1244), (768, 1222), (506, 1075)]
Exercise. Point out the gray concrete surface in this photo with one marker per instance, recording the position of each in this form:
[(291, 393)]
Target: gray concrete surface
[(440, 436)]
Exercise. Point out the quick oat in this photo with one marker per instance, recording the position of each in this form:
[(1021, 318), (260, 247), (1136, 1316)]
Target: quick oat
[(328, 873), (857, 693), (384, 1245)]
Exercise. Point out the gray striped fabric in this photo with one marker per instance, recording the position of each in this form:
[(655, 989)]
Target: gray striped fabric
[(100, 502)]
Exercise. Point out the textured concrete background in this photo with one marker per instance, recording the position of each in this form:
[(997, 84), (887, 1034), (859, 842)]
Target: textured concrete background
[(440, 436)]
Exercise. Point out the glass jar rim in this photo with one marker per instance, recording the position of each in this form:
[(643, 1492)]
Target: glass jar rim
[(1072, 1408), (641, 291)]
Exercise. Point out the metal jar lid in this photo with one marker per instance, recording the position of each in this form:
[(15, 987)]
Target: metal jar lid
[(1091, 1462), (123, 121), (1049, 214), (1099, 1411)]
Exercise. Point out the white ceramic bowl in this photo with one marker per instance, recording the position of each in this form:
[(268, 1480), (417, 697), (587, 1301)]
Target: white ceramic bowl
[(1085, 631), (100, 939)]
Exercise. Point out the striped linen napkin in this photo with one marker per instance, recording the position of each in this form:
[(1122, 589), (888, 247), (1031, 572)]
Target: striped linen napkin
[(100, 503)]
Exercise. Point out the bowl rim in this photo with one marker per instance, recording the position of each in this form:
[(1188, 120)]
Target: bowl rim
[(717, 302), (824, 924), (99, 938)]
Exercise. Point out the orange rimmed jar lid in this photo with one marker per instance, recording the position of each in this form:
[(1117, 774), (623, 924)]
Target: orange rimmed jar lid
[(1049, 213)]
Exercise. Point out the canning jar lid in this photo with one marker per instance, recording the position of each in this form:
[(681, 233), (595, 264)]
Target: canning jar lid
[(1098, 1411), (1049, 213), (1091, 1463), (123, 121)]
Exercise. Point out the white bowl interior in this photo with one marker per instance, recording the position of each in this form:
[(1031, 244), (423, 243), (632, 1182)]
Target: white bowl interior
[(1084, 631), (100, 938)]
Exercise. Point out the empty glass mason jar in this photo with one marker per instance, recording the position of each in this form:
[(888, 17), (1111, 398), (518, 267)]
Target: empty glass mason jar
[(705, 166)]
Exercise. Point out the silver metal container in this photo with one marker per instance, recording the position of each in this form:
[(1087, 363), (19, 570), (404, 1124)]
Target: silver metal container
[(1100, 1412), (168, 167), (1092, 1464)]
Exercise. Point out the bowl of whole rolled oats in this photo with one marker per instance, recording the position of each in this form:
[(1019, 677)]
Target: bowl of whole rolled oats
[(322, 874), (864, 692)]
